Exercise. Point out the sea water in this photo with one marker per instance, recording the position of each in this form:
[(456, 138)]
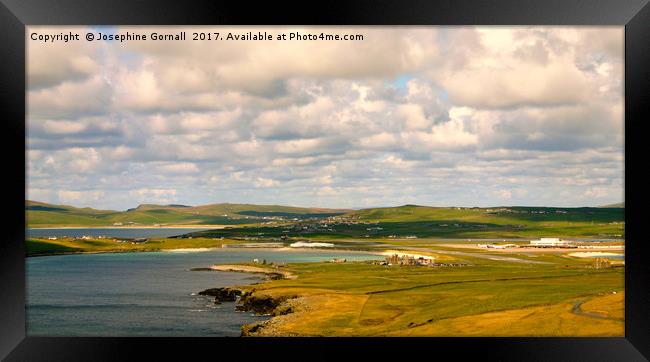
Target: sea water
[(145, 293)]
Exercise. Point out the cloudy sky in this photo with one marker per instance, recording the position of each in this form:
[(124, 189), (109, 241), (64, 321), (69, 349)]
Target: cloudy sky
[(441, 116)]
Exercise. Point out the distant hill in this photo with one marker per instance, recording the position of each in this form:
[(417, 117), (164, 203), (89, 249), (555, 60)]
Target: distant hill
[(41, 214), (617, 205), (493, 215), (421, 221), (413, 221)]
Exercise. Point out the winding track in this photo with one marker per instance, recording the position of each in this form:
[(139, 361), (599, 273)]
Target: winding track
[(577, 310), (476, 255)]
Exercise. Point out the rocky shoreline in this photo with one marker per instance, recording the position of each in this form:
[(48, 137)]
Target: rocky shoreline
[(281, 307), (248, 301)]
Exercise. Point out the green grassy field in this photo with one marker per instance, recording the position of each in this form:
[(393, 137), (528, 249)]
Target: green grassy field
[(361, 299)]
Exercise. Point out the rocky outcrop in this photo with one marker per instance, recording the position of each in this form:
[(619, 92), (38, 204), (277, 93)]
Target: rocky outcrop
[(251, 329), (287, 305), (222, 294), (262, 304), (249, 301)]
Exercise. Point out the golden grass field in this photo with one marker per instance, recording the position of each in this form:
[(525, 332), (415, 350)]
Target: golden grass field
[(488, 298)]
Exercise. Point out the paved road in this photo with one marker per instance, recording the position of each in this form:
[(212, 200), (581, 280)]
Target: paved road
[(476, 255)]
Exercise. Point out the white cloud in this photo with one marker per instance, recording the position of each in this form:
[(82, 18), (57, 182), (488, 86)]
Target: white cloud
[(264, 182), (179, 168), (147, 195), (414, 117), (63, 127), (504, 194), (415, 114), (597, 192), (83, 198)]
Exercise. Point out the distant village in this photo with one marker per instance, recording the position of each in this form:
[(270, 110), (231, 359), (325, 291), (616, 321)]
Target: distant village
[(411, 260)]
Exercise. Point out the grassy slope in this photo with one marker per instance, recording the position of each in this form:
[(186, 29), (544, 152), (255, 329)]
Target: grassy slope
[(459, 223), (420, 221), (518, 222), (43, 215), (488, 298), (500, 215)]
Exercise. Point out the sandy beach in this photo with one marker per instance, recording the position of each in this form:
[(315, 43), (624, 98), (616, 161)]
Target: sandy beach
[(188, 250), (252, 269)]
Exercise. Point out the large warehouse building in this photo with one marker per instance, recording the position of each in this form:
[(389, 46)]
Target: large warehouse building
[(549, 242)]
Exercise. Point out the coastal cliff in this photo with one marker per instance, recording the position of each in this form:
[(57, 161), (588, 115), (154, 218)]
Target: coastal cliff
[(222, 294), (248, 301), (266, 305)]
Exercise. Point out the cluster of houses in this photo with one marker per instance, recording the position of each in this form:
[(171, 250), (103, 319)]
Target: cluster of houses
[(124, 223), (132, 241), (264, 262), (308, 228), (338, 260), (410, 260), (396, 259), (83, 237), (500, 210)]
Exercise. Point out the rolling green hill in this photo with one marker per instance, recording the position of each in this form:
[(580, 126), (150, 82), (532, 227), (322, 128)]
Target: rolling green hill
[(402, 221), (500, 221), (447, 222), (496, 215), (40, 214)]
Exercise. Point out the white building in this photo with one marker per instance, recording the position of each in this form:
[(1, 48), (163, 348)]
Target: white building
[(302, 244), (548, 242)]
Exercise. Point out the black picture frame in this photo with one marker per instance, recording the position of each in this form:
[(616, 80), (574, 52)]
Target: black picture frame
[(16, 14)]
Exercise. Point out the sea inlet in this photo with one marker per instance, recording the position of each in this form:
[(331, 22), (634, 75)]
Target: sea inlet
[(145, 293)]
